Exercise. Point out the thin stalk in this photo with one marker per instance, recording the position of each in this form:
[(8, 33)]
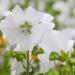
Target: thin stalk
[(27, 68)]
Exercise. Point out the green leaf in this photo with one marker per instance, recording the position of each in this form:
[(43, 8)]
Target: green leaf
[(13, 54), (39, 51), (52, 72), (5, 68), (1, 34), (2, 18), (20, 55), (36, 51), (41, 74), (72, 60), (23, 73), (63, 56), (73, 53), (66, 69), (53, 56)]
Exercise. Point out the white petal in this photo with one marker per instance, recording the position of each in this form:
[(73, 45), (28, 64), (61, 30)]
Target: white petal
[(32, 16), (11, 31), (7, 13), (47, 18), (16, 67), (18, 15), (54, 41), (71, 32), (71, 44), (45, 64), (4, 5), (26, 43)]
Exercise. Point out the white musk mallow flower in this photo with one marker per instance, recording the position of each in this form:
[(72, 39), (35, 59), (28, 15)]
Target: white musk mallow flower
[(45, 63), (26, 28), (56, 41), (53, 41), (4, 6)]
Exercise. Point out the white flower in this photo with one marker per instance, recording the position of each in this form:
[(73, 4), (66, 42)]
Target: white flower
[(55, 41), (45, 64), (69, 33), (67, 17), (26, 28), (65, 21), (16, 67), (7, 13), (4, 5), (61, 6)]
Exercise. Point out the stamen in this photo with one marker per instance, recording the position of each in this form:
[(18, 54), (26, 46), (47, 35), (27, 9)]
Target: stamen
[(35, 58), (26, 27)]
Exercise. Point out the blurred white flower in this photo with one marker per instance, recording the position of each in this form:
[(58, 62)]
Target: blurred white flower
[(26, 28), (67, 15), (66, 21), (16, 67), (41, 4), (4, 5), (38, 4), (61, 6)]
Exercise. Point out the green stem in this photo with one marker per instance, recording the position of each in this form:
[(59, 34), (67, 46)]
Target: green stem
[(23, 65), (27, 68)]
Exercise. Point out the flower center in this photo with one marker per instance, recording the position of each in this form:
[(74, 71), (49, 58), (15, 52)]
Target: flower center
[(26, 27)]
